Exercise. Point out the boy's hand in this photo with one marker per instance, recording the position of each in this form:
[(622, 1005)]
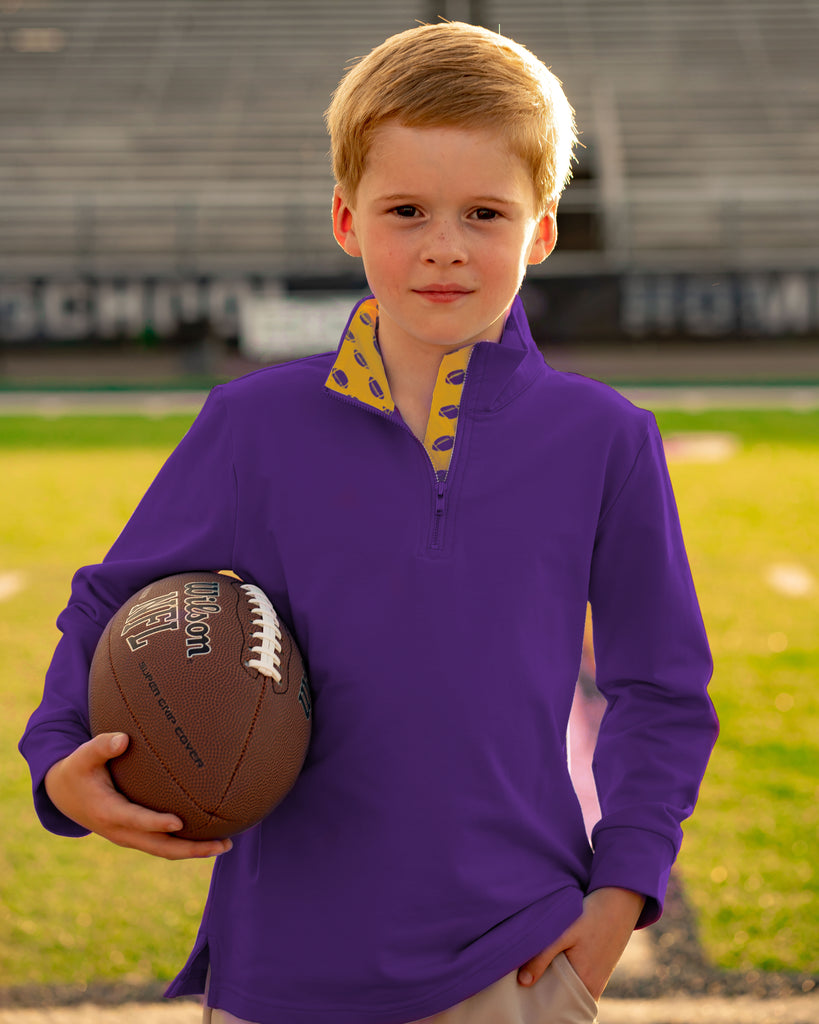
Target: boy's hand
[(594, 943), (81, 787)]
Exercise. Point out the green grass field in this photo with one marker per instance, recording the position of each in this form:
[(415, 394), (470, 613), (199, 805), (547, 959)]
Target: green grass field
[(73, 911)]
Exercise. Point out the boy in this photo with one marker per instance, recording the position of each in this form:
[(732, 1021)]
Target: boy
[(430, 508)]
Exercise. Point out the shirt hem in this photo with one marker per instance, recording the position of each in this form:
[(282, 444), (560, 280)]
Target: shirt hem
[(559, 910)]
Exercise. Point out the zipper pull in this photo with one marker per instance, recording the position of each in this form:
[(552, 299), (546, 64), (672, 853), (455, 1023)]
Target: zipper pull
[(440, 508), (440, 499)]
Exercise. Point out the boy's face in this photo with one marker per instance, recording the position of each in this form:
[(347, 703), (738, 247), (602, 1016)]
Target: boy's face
[(445, 222)]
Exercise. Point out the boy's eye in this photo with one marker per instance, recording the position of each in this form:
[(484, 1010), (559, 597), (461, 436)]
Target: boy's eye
[(485, 214), (405, 211)]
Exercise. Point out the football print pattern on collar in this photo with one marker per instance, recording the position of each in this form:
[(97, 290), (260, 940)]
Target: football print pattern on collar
[(359, 373)]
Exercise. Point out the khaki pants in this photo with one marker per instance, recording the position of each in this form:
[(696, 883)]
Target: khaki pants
[(560, 997)]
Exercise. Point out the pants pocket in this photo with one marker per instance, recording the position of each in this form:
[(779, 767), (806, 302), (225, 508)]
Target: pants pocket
[(571, 980)]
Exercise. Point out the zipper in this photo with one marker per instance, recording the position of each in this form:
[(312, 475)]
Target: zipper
[(440, 509)]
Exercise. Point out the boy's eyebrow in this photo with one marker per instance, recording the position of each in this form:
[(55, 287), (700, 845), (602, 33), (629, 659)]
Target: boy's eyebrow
[(409, 196)]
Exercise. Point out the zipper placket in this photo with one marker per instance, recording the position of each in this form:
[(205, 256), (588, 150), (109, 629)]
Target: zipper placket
[(441, 485), (439, 511)]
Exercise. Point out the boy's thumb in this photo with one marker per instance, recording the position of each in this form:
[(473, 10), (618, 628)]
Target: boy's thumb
[(112, 744)]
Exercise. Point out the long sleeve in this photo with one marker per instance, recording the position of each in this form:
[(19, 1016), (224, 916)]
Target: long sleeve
[(653, 667), (186, 521)]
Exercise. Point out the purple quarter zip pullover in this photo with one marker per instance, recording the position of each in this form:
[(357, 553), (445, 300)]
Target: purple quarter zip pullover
[(433, 841)]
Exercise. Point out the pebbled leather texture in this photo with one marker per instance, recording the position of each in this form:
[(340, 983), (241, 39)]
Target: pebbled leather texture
[(213, 739)]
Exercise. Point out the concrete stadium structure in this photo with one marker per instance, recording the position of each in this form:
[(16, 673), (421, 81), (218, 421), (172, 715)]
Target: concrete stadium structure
[(182, 141)]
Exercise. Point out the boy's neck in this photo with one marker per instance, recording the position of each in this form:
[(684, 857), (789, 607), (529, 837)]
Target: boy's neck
[(412, 373), (412, 376)]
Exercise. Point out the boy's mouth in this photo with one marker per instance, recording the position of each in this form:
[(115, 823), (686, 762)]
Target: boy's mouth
[(442, 292)]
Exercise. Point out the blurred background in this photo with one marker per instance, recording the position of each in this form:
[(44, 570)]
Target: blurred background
[(165, 194), (165, 182)]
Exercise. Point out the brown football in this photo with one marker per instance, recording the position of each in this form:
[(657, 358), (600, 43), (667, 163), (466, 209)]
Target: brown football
[(203, 676)]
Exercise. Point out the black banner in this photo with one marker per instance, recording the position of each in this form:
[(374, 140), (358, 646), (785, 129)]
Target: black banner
[(629, 307)]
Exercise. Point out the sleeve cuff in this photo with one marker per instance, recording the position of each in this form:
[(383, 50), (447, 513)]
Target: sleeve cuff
[(632, 858), (42, 753), (52, 819)]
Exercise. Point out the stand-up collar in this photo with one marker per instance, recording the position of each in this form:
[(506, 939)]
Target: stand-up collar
[(503, 369), (358, 373)]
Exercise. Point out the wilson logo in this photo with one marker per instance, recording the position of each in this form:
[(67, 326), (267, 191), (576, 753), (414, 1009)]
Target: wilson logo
[(201, 601)]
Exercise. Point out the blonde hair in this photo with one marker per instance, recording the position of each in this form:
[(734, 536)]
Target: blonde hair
[(455, 75)]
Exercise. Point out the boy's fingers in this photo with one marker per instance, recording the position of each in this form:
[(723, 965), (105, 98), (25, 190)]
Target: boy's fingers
[(169, 847), (186, 850), (120, 812), (106, 811), (128, 816), (140, 828), (532, 971)]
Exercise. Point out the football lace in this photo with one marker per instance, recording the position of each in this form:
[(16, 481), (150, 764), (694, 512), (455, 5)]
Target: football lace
[(267, 636)]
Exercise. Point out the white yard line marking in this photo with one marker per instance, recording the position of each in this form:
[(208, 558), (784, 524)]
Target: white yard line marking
[(790, 579), (11, 583), (134, 1013), (695, 399), (709, 1010), (701, 446), (637, 960), (53, 405), (65, 403)]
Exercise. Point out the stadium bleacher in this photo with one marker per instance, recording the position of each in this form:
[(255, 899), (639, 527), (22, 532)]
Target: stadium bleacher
[(704, 117), (170, 136), (173, 131)]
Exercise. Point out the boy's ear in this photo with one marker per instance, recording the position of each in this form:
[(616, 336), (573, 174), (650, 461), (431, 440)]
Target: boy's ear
[(343, 230), (545, 236)]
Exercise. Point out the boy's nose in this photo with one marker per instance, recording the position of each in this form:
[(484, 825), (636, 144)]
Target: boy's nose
[(445, 246)]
